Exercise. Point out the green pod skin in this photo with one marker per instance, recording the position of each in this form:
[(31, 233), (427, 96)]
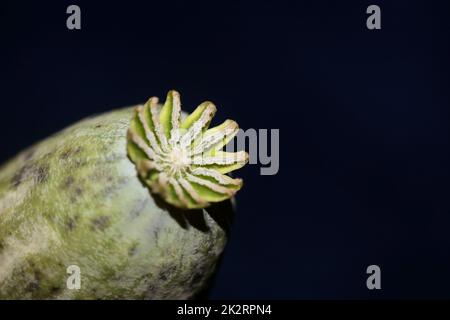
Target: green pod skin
[(76, 199)]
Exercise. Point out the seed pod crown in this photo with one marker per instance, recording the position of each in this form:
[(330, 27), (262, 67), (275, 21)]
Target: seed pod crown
[(182, 160)]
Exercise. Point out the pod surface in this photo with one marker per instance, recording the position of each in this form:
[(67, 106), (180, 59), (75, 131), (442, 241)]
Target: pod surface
[(75, 199)]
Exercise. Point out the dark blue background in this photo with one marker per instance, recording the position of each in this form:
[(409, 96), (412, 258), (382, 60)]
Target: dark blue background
[(363, 118)]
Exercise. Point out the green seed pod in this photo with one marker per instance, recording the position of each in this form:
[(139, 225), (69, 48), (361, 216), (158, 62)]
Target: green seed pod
[(85, 197)]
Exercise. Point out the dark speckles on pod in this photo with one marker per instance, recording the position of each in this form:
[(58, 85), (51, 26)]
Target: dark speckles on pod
[(71, 223), (79, 163), (196, 278), (155, 235), (78, 191), (41, 174), (32, 286), (65, 154), (138, 208), (55, 290), (69, 152), (20, 175), (132, 249), (29, 154), (101, 223), (37, 172), (74, 189), (37, 275), (167, 272), (68, 182)]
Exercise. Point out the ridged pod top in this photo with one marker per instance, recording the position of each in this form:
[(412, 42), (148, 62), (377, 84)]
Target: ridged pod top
[(183, 161)]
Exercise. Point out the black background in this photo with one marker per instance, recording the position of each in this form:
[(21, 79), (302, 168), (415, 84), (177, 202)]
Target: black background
[(363, 118)]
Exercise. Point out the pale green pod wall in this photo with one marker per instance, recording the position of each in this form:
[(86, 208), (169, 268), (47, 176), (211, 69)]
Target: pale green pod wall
[(75, 199)]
